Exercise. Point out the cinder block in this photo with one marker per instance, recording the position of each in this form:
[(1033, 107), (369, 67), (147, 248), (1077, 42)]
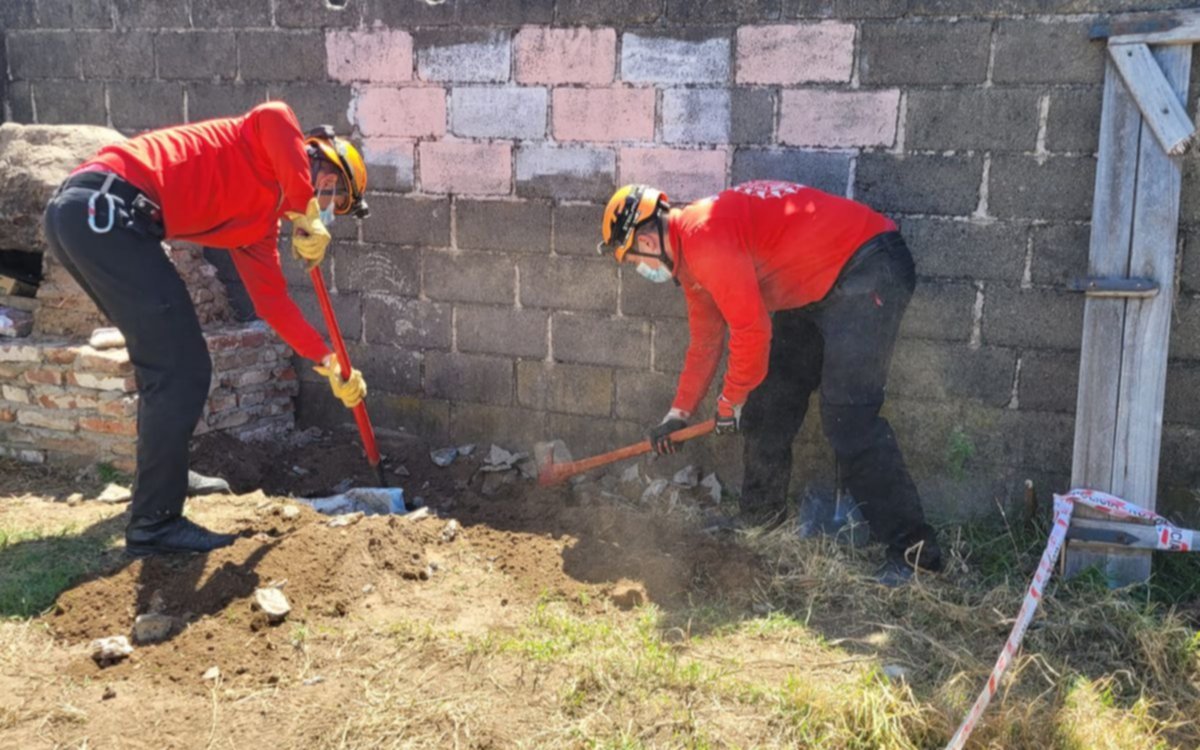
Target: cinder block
[(517, 226), (924, 52), (397, 15), (464, 55), (795, 53), (426, 417), (120, 55), (396, 321), (237, 14), (565, 173), (824, 170), (1060, 188), (722, 11), (643, 397), (201, 55), (993, 119), (465, 168), (1060, 252), (1033, 318), (19, 95), (69, 102), (671, 339), (617, 12), (498, 112), (941, 371), (469, 377), (383, 269), (227, 99), (1073, 122), (507, 12), (66, 14), (1049, 381), (590, 340), (347, 307), (137, 14), (569, 283), (1185, 329), (684, 175), (42, 54), (501, 330), (953, 248), (645, 299), (577, 228), (305, 14), (1034, 51), (591, 435), (941, 310), (375, 55), (511, 428), (145, 104), (282, 56), (400, 220), (573, 389), (319, 103), (574, 55), (404, 112), (1189, 271), (608, 114), (752, 115), (696, 116), (688, 58), (469, 277), (839, 119), (390, 162), (947, 185)]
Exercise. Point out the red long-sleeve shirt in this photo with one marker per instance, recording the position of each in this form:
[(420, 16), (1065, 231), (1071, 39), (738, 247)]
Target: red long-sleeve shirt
[(756, 248), (226, 183)]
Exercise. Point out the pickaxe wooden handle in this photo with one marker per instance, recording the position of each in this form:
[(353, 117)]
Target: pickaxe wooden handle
[(550, 473)]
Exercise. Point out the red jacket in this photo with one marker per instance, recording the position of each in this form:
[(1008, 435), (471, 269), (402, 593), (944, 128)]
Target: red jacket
[(756, 248), (226, 183)]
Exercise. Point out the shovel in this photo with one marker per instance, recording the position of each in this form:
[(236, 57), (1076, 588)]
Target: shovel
[(550, 473)]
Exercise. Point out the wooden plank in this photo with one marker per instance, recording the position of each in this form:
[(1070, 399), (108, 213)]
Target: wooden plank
[(1176, 27), (1161, 106)]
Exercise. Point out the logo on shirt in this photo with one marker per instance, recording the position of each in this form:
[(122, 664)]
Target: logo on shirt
[(768, 188)]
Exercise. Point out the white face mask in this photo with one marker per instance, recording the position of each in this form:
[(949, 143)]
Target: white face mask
[(658, 275)]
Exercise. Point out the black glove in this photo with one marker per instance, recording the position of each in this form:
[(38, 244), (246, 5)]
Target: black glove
[(660, 436), (729, 417)]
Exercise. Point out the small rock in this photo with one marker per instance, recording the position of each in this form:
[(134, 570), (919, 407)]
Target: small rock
[(632, 474), (402, 471), (75, 498), (688, 476), (110, 650), (273, 603), (466, 450), (346, 519), (495, 481), (368, 588), (211, 673), (418, 514), (315, 680), (109, 693), (106, 338), (115, 493), (656, 488), (450, 531), (426, 574), (158, 605), (290, 512), (444, 456), (895, 672), (152, 627), (300, 471), (713, 485), (528, 468)]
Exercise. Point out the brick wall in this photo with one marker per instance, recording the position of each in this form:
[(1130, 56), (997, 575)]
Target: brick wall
[(495, 129)]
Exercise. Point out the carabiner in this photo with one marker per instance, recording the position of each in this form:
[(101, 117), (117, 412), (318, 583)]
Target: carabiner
[(112, 213)]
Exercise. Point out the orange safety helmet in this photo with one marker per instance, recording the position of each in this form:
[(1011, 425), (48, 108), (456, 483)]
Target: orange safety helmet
[(629, 208), (323, 144)]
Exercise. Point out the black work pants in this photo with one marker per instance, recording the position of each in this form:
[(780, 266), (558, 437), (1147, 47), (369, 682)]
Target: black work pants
[(128, 276), (842, 345)]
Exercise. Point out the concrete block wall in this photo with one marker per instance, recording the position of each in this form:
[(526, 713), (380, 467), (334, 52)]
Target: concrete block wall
[(495, 130)]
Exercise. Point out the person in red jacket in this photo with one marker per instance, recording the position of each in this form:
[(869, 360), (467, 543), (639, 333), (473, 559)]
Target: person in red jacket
[(811, 288), (223, 183)]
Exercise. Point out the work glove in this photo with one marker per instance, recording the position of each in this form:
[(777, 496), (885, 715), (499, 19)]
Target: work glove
[(660, 436), (309, 235), (350, 392), (729, 417)]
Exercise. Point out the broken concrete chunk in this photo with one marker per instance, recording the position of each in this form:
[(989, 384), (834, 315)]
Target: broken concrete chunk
[(466, 450), (632, 473), (499, 459), (290, 512), (450, 531), (347, 519), (688, 476), (152, 627), (655, 490), (444, 456), (106, 338), (273, 603), (528, 468), (115, 493), (110, 650), (713, 485), (211, 673)]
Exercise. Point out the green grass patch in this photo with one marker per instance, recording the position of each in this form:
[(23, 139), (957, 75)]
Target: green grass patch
[(35, 567)]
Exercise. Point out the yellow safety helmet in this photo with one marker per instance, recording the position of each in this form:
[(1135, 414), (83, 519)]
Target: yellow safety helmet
[(629, 208), (323, 144)]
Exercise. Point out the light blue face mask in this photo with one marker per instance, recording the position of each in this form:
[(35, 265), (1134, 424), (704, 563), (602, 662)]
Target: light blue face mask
[(658, 275), (327, 215)]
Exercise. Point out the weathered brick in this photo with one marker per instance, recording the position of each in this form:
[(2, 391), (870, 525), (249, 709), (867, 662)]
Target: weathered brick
[(589, 340), (1034, 51), (390, 162), (14, 394), (42, 54), (282, 56), (305, 14), (922, 53), (44, 376), (465, 168), (124, 406), (121, 55), (459, 55), (107, 361), (1060, 188), (408, 221), (577, 228), (469, 277), (518, 226), (167, 14), (608, 114), (919, 184), (469, 377), (47, 420), (643, 396), (511, 428), (569, 283), (196, 54), (574, 55), (993, 119), (573, 389), (1073, 122), (565, 173), (407, 14), (940, 310), (7, 415), (752, 116), (389, 368), (386, 269), (405, 112), (680, 58), (722, 11), (375, 55), (62, 398), (101, 383), (499, 112), (238, 14), (825, 170), (346, 306), (493, 330), (682, 174), (938, 371), (618, 12), (145, 104), (69, 102), (796, 53), (316, 103), (641, 298), (1049, 381), (967, 249), (1041, 318), (838, 119), (1060, 252), (696, 116), (108, 426)]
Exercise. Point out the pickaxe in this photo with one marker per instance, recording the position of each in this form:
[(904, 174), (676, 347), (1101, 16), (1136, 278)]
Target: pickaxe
[(550, 473)]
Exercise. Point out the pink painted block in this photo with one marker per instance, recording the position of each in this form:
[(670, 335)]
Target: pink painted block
[(575, 55), (381, 56), (683, 175), (612, 114), (795, 53), (403, 113), (837, 119), (466, 168)]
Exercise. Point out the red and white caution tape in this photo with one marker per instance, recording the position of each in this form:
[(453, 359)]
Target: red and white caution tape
[(1170, 537)]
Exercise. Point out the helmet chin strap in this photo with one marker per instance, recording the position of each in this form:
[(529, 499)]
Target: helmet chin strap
[(663, 256)]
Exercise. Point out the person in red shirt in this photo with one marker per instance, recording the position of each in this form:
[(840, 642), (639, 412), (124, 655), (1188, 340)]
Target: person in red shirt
[(811, 288), (223, 183)]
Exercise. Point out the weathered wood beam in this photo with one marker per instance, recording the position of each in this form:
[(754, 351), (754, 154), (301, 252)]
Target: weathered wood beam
[(1177, 27), (1160, 105)]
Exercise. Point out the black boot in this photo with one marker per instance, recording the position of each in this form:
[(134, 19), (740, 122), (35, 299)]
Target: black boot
[(901, 563), (198, 484), (151, 536)]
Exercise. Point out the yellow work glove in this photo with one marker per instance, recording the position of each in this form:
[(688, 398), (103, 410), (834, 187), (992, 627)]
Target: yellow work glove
[(309, 235), (350, 392)]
